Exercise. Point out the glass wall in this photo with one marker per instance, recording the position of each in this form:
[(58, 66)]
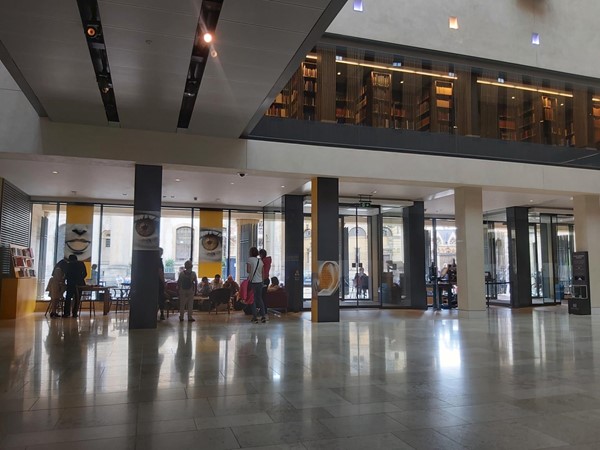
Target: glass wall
[(345, 85), (274, 238), (496, 262), (393, 286), (179, 234)]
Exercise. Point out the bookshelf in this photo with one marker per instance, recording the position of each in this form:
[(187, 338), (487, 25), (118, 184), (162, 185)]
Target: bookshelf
[(423, 112), (527, 131), (374, 105), (444, 91), (507, 123), (309, 90), (22, 262), (596, 123), (279, 107)]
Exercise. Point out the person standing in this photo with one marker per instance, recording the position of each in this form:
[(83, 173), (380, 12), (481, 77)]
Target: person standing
[(56, 289), (161, 285), (254, 267), (187, 284), (267, 261), (75, 276)]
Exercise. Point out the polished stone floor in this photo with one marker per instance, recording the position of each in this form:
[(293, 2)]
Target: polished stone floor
[(377, 380)]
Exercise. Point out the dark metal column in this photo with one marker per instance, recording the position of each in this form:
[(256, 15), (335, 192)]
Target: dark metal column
[(145, 258), (294, 250), (326, 270), (414, 255), (517, 220)]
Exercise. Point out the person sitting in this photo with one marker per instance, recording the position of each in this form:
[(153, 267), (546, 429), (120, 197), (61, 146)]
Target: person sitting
[(216, 283), (204, 288), (232, 286), (274, 286)]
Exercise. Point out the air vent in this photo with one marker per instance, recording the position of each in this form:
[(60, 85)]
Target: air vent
[(205, 31), (92, 28)]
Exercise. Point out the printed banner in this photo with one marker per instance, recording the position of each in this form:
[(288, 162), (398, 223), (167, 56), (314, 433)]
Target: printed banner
[(210, 247), (146, 230), (78, 232)]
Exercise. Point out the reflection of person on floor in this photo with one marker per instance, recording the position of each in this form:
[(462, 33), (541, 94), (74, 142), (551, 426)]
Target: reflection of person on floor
[(183, 355), (361, 283)]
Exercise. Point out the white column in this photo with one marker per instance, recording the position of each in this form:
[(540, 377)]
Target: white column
[(587, 238), (469, 250)]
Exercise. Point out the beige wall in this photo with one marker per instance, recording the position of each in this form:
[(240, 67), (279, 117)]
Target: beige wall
[(497, 30)]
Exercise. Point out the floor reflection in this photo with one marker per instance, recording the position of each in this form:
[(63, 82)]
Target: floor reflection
[(301, 382)]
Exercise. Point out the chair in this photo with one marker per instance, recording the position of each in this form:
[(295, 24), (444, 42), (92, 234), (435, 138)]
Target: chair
[(60, 307), (121, 299), (86, 296), (277, 300), (221, 296)]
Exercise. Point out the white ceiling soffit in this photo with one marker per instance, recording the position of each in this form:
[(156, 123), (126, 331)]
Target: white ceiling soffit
[(46, 42), (255, 41), (149, 46)]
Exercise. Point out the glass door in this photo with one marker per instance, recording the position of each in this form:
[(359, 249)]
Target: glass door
[(359, 268), (393, 285)]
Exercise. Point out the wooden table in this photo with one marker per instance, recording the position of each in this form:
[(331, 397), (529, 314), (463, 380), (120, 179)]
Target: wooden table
[(104, 290)]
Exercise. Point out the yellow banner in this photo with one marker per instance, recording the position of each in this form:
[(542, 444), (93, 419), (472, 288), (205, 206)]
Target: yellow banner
[(78, 233), (210, 247)]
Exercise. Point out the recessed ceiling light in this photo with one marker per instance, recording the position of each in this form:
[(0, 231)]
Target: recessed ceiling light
[(535, 38), (54, 172), (339, 73), (374, 192), (214, 53), (453, 22), (207, 37), (232, 182), (402, 82), (530, 201), (513, 97), (562, 104), (177, 179), (358, 5), (282, 186)]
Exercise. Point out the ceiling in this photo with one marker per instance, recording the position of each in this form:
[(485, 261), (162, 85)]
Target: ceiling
[(149, 46), (81, 179)]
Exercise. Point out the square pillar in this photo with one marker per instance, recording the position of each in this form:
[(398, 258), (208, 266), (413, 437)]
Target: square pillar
[(519, 265), (413, 223), (294, 250), (587, 232), (326, 271), (145, 261), (469, 249)]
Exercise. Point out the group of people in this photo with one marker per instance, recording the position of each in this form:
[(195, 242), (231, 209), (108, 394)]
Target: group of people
[(66, 276), (258, 268)]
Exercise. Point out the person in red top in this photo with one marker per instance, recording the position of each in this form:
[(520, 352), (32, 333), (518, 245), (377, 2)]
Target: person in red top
[(266, 260)]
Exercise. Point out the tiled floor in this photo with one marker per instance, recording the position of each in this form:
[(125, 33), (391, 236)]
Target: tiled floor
[(378, 379)]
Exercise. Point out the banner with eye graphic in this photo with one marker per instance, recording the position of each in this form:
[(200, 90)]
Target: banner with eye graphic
[(146, 230), (211, 243), (78, 233)]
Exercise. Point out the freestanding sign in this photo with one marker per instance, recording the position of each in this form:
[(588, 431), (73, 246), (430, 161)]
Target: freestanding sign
[(579, 303)]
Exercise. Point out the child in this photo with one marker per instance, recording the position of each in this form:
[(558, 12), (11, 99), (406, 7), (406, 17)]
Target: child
[(56, 289)]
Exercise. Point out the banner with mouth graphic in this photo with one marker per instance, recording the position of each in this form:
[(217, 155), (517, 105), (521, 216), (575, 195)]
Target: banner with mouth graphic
[(78, 233)]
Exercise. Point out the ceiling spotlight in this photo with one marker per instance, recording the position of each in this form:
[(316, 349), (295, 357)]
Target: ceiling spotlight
[(282, 186), (54, 172), (177, 179), (214, 53), (93, 30), (207, 37)]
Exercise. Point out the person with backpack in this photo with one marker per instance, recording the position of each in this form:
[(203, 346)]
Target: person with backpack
[(187, 284)]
